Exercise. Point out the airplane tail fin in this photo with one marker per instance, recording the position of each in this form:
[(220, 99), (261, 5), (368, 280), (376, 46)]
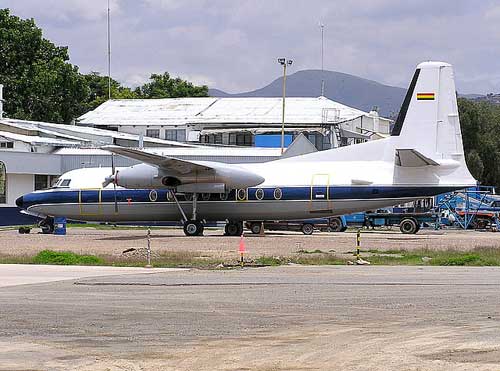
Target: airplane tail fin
[(428, 118), (428, 122)]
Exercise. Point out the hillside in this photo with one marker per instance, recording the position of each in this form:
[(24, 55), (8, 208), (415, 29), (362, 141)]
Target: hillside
[(341, 87)]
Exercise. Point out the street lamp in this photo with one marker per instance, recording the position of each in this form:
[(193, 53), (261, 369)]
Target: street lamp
[(284, 62)]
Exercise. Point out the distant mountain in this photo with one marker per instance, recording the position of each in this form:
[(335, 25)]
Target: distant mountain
[(347, 89)]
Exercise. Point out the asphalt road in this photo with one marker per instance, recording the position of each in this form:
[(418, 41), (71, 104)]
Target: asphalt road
[(282, 318)]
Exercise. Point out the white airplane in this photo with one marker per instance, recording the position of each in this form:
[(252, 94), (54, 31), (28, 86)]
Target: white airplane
[(423, 157)]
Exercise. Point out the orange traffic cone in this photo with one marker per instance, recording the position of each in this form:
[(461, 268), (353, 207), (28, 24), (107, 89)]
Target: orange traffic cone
[(242, 249)]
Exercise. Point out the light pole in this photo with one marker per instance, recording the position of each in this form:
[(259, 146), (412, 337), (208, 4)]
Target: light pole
[(284, 62)]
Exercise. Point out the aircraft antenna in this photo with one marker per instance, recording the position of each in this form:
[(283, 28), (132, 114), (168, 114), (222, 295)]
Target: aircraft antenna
[(109, 54), (322, 27)]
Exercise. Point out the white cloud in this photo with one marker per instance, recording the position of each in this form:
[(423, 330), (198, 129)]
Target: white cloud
[(233, 45)]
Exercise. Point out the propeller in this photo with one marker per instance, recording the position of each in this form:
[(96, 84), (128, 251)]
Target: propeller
[(112, 179)]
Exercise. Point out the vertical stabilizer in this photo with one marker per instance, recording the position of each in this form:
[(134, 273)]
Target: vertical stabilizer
[(428, 119)]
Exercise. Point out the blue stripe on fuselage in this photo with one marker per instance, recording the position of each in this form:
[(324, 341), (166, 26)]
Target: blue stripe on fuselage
[(288, 194)]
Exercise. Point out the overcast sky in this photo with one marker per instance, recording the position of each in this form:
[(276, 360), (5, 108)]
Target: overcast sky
[(233, 45)]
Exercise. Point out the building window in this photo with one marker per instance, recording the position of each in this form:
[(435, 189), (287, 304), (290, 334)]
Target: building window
[(41, 182), (3, 183), (153, 133), (6, 144), (178, 135)]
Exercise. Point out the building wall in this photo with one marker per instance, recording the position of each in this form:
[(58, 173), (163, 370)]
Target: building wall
[(18, 185)]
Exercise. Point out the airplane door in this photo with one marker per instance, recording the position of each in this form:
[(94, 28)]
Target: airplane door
[(320, 197), (90, 201)]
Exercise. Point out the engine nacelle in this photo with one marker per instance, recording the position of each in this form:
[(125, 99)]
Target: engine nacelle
[(213, 178), (139, 176)]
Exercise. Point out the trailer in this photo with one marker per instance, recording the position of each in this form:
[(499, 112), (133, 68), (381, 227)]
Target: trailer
[(409, 223)]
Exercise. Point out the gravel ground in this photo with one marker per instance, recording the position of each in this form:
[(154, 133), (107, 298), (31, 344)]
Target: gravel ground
[(214, 244), (266, 319)]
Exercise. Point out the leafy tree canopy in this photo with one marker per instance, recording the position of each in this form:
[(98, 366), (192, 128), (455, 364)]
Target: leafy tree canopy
[(164, 86), (480, 123), (40, 84)]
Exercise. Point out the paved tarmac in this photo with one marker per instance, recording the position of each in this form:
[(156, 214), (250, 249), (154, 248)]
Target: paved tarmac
[(280, 318), (19, 274)]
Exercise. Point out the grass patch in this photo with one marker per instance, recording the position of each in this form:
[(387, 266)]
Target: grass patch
[(271, 260), (481, 256), (65, 258)]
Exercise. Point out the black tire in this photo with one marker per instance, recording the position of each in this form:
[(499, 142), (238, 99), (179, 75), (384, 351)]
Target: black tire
[(482, 223), (255, 228), (408, 226), (193, 228), (24, 230), (233, 229), (307, 229), (47, 226), (336, 225)]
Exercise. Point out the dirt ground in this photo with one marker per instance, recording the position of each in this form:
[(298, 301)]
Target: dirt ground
[(214, 244)]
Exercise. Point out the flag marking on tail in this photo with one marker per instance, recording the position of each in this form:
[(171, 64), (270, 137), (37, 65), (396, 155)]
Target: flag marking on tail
[(425, 96)]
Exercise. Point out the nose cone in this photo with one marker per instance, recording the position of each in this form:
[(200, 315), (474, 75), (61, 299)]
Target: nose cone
[(20, 202)]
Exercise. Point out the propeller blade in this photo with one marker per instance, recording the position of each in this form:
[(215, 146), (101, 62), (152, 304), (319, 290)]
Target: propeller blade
[(113, 169)]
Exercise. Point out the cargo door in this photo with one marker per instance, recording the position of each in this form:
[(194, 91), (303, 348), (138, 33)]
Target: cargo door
[(90, 201), (320, 195)]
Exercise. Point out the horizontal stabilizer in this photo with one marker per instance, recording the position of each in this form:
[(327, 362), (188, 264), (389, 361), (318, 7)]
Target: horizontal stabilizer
[(412, 158)]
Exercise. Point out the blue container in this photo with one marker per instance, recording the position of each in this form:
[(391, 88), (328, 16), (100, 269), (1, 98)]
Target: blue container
[(60, 226)]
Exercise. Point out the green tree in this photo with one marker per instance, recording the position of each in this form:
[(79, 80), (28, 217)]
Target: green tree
[(480, 124), (163, 86), (98, 90), (39, 82)]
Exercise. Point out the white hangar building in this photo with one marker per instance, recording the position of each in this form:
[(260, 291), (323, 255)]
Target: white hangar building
[(239, 121)]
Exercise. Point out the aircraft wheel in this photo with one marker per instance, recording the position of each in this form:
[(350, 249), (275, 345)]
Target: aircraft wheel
[(193, 228), (233, 229), (255, 228), (408, 226), (307, 229), (47, 225), (336, 225)]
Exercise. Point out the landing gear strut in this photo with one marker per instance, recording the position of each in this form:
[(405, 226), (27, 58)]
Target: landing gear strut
[(233, 228), (191, 227)]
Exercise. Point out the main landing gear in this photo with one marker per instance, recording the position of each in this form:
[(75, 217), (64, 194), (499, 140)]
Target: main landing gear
[(192, 227)]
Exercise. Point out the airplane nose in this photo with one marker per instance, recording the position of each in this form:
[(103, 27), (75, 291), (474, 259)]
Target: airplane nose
[(20, 202)]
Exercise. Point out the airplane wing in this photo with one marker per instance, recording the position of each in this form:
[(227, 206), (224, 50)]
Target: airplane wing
[(191, 172), (164, 162)]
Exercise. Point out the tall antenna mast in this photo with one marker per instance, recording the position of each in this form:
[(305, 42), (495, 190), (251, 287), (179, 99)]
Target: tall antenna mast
[(109, 56), (322, 27)]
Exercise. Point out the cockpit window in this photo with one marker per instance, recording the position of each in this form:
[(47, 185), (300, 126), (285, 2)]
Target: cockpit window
[(65, 183)]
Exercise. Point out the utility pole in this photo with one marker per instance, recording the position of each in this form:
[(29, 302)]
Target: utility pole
[(109, 55), (284, 62), (322, 27)]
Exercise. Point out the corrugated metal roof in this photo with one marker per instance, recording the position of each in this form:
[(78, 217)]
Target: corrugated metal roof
[(181, 111), (74, 133), (37, 140)]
